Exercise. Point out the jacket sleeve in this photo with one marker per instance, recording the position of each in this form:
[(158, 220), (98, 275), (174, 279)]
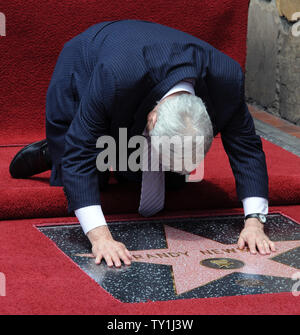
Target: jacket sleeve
[(79, 171), (245, 152)]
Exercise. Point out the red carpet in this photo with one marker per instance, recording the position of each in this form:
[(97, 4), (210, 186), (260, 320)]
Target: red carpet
[(42, 280)]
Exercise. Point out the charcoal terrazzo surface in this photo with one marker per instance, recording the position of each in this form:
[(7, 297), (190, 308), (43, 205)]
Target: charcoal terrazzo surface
[(172, 256)]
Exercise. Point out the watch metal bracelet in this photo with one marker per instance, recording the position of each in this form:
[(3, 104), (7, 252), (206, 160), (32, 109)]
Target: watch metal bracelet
[(260, 217)]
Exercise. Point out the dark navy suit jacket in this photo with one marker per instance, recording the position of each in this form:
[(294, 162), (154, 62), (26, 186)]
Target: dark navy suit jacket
[(112, 75)]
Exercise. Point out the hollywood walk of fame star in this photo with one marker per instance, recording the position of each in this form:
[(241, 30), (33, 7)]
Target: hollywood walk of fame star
[(197, 261), (187, 252)]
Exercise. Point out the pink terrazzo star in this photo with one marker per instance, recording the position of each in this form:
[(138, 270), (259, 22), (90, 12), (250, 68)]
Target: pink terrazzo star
[(186, 251)]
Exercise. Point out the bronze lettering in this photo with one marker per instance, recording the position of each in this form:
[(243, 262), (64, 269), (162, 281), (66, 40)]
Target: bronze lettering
[(162, 255), (184, 253), (149, 256), (229, 250), (137, 256), (216, 251), (174, 254), (206, 252)]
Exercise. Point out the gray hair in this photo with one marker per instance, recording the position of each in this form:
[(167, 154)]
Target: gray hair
[(184, 115)]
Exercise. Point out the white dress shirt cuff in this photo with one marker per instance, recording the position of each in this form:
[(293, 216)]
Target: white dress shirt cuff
[(255, 205), (90, 217)]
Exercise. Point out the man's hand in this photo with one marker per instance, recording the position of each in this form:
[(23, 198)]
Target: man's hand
[(253, 235), (104, 246)]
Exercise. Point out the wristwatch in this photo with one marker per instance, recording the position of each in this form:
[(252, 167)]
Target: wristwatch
[(260, 217)]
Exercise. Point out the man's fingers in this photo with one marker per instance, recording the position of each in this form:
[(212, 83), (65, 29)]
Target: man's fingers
[(272, 246), (124, 257), (116, 259), (128, 254), (256, 241), (252, 245), (98, 259), (113, 253), (108, 260), (267, 248), (261, 247), (241, 243)]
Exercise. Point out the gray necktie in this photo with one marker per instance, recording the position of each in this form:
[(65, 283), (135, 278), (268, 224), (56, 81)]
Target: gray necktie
[(153, 185)]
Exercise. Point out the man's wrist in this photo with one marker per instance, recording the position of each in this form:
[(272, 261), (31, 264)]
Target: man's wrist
[(253, 223), (98, 234), (259, 216)]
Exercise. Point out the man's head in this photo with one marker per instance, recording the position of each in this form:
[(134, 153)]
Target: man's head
[(183, 115)]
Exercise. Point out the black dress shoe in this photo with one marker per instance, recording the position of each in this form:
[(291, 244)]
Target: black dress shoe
[(31, 160)]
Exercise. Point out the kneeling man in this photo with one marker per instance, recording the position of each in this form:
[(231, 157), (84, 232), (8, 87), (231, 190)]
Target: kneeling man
[(150, 80)]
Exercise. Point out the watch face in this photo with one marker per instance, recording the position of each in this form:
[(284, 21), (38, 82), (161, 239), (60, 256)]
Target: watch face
[(262, 218)]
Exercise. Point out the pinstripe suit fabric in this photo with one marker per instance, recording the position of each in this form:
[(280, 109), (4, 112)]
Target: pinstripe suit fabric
[(112, 75)]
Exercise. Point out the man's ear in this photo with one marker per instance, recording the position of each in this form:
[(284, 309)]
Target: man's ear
[(152, 118)]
